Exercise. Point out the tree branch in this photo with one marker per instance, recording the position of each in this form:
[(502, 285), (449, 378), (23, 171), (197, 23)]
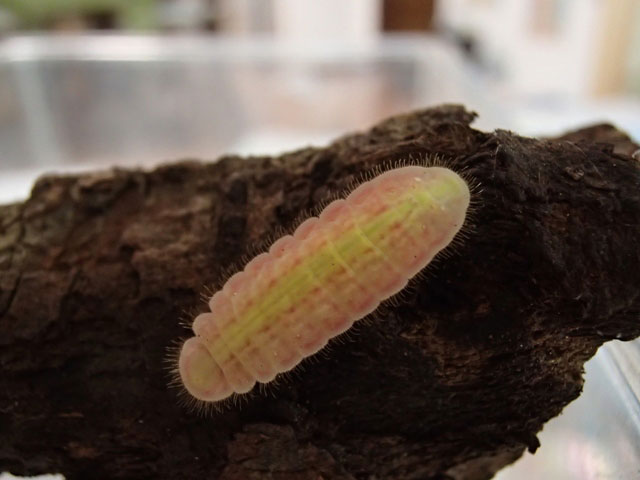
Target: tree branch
[(453, 382)]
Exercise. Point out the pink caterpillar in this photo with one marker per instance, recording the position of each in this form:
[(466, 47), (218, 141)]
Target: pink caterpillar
[(313, 285)]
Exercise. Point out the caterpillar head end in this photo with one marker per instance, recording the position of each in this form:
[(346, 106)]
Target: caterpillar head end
[(200, 374)]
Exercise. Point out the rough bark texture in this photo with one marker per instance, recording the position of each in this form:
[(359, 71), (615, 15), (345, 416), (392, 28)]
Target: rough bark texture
[(454, 382)]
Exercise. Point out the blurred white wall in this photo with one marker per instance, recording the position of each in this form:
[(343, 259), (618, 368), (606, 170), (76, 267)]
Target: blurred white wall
[(302, 20), (567, 48), (353, 20)]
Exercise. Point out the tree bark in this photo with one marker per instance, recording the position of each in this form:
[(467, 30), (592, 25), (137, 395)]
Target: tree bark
[(452, 381)]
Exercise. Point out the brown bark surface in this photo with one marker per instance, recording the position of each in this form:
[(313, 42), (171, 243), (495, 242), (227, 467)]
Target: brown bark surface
[(453, 382)]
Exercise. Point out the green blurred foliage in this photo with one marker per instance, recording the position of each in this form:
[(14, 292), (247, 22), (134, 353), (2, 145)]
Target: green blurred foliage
[(39, 14)]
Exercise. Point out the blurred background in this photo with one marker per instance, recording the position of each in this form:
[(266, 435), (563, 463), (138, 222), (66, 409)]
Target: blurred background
[(88, 84), (94, 83)]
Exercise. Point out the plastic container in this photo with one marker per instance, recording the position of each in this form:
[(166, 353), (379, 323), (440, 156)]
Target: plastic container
[(77, 102)]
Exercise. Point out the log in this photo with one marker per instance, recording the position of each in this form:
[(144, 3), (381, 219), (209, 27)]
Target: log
[(452, 381)]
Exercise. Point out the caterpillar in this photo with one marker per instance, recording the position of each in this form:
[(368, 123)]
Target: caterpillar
[(335, 269)]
